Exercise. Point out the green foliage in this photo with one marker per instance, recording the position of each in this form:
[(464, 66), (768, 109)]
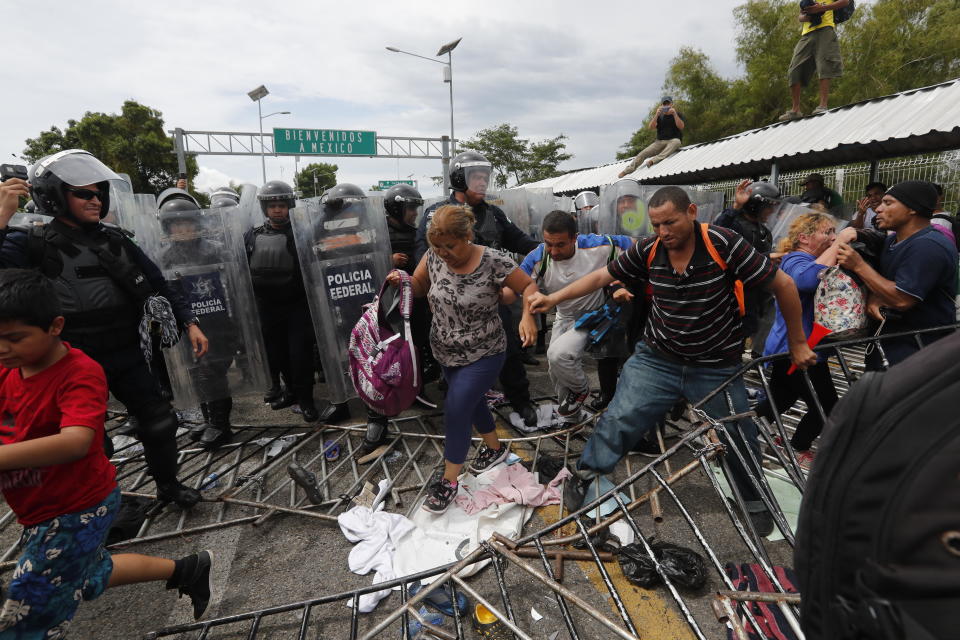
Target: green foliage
[(516, 159), (132, 142), (888, 46), (326, 177), (375, 187)]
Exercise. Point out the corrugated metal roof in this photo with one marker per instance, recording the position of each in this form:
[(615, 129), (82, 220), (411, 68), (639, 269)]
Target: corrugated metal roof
[(911, 122)]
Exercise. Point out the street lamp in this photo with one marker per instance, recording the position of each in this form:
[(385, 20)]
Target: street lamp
[(257, 95), (447, 76)]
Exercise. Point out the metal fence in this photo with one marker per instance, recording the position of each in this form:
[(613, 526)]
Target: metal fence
[(534, 562), (851, 180)]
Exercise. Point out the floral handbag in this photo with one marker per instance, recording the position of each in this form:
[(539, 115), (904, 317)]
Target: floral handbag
[(840, 304)]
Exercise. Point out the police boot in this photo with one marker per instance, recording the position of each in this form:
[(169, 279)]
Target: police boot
[(196, 430), (308, 408), (219, 432), (158, 435), (334, 413), (287, 399), (274, 393)]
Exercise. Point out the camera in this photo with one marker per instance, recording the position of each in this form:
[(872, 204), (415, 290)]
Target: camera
[(8, 171)]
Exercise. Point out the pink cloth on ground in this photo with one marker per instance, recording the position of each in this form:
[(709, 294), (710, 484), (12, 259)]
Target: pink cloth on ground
[(513, 483)]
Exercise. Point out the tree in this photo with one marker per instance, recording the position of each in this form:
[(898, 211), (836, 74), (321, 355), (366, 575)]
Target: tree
[(887, 46), (517, 159), (131, 142), (315, 178)]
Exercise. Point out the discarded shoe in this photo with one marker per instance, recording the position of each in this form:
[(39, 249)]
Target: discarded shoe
[(334, 413), (488, 625), (441, 599), (307, 481)]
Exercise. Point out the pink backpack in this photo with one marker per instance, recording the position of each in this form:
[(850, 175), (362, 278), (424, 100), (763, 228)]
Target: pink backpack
[(383, 362)]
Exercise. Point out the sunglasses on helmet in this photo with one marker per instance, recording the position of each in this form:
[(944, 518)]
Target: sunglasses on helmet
[(85, 194)]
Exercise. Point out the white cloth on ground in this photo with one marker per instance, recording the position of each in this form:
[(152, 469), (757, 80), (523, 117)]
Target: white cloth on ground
[(547, 418), (440, 539), (377, 534)]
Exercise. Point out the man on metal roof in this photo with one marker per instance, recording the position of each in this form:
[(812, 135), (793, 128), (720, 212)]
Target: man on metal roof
[(817, 50), (669, 124)]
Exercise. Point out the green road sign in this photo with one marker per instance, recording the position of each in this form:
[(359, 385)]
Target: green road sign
[(325, 142), (386, 184)]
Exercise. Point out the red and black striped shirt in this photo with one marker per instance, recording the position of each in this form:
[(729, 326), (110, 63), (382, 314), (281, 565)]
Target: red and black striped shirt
[(694, 317)]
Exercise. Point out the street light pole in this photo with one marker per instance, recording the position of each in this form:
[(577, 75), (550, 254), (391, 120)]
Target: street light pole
[(263, 157), (447, 76)]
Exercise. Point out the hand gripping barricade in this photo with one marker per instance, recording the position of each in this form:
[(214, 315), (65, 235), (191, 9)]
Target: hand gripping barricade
[(201, 255), (344, 251), (383, 359)]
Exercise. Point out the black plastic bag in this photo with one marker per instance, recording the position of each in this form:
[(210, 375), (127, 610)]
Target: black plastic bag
[(684, 567)]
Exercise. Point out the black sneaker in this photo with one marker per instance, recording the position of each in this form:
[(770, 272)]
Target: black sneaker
[(487, 457), (440, 496), (195, 581), (600, 402), (574, 492), (306, 480), (647, 447), (762, 522), (572, 403), (527, 413)]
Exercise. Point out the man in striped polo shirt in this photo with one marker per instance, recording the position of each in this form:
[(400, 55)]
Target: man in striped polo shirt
[(693, 339)]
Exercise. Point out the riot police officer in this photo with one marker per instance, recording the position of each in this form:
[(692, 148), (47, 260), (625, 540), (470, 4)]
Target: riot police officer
[(103, 280), (584, 203), (182, 223), (282, 304), (223, 196), (470, 174)]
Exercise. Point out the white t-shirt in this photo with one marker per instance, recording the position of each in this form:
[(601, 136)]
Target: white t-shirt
[(593, 252)]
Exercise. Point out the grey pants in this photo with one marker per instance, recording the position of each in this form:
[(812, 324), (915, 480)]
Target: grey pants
[(565, 355)]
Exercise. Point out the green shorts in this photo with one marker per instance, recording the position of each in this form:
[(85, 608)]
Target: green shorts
[(817, 51)]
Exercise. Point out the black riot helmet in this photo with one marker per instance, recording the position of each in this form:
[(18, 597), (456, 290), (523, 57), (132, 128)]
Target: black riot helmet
[(173, 193), (399, 198), (225, 193), (463, 165), (341, 198), (762, 195), (52, 175), (276, 191), (179, 210)]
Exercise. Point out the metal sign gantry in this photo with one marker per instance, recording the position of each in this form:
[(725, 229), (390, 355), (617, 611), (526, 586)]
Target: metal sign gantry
[(238, 143)]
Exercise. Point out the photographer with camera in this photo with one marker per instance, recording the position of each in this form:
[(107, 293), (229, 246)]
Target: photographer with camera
[(669, 124)]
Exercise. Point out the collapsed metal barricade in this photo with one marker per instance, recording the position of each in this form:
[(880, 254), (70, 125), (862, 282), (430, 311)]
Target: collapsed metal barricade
[(257, 488), (697, 454)]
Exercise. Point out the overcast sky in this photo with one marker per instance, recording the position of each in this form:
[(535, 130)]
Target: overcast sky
[(589, 70)]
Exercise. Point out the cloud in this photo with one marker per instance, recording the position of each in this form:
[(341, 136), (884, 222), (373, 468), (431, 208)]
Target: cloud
[(587, 71)]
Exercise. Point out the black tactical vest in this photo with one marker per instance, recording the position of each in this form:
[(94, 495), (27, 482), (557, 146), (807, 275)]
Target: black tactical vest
[(273, 264)]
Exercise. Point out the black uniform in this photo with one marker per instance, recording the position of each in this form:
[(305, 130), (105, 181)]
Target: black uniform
[(494, 229), (102, 279), (282, 305), (758, 303)]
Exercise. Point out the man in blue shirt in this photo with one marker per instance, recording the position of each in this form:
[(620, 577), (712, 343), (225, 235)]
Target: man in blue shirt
[(917, 279)]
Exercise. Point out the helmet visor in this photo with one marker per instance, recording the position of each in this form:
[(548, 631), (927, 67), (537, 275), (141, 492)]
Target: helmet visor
[(75, 167), (477, 176)]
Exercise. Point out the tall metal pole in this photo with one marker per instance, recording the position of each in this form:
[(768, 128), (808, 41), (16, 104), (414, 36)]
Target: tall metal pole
[(453, 141), (178, 146), (445, 162), (263, 157)]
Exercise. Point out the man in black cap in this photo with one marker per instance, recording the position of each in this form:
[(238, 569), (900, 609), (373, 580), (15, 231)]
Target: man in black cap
[(814, 191), (916, 284), (669, 124)]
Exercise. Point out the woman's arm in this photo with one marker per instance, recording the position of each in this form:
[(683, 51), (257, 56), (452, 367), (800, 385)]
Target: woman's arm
[(420, 280)]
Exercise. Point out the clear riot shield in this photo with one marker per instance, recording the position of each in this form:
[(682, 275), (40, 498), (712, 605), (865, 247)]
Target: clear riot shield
[(136, 213), (23, 219), (539, 203), (623, 209), (564, 203), (249, 210), (203, 257), (345, 257), (783, 216), (513, 202), (709, 203)]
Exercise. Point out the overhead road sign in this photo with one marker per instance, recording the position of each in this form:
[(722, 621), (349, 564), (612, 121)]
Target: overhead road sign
[(324, 142), (386, 184)]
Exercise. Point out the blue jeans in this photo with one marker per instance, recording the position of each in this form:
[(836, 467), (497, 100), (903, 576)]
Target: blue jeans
[(648, 388), (465, 406)]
